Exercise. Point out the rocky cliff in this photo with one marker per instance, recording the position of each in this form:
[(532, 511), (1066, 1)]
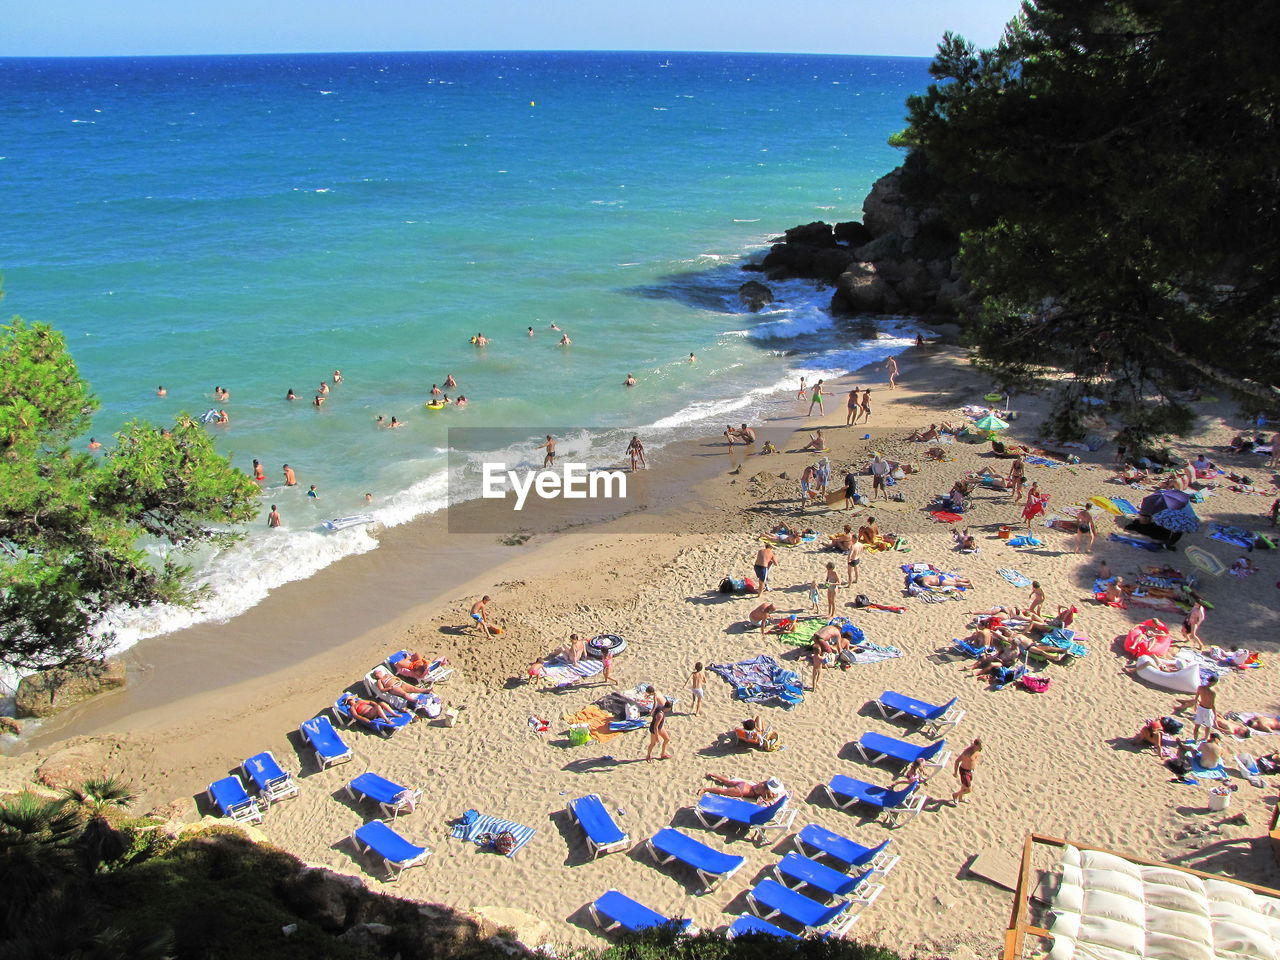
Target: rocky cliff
[(900, 258)]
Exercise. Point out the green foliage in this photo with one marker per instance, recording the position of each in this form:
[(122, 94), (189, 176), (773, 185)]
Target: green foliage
[(37, 838), (1110, 168), (666, 945), (70, 523)]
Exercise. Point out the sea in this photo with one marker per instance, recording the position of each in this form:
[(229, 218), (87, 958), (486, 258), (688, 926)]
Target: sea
[(257, 222)]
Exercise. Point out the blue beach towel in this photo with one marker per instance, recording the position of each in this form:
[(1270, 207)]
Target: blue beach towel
[(1135, 542), (1040, 461), (492, 826), (1025, 540), (1124, 506), (1234, 535), (1014, 577), (1209, 773)]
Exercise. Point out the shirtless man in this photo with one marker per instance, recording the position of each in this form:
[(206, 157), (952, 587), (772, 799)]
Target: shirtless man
[(337, 376), (480, 610), (760, 615), (816, 442), (840, 541), (435, 390), (258, 473), (630, 381), (1211, 750), (891, 366), (273, 518), (565, 341), (963, 768), (852, 558), (550, 447), (869, 532), (746, 434), (765, 559), (449, 382), (324, 386), (289, 479)]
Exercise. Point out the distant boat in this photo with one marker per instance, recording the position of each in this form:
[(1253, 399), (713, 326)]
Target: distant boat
[(665, 63)]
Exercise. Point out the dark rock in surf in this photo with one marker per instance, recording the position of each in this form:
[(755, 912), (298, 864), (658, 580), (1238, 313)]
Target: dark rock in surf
[(755, 295)]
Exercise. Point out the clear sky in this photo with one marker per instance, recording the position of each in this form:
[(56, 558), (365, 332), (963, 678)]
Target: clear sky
[(141, 27)]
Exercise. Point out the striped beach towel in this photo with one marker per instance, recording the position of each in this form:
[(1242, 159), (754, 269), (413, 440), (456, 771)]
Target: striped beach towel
[(485, 824), (561, 674), (1014, 577)]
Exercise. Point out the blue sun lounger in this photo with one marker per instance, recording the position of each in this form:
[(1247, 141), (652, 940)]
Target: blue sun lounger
[(932, 717), (748, 924), (234, 801), (876, 747), (602, 833), (396, 853), (710, 864), (273, 781), (614, 909), (391, 797), (342, 711), (769, 899), (796, 871), (715, 811), (848, 853), (324, 740), (845, 792)]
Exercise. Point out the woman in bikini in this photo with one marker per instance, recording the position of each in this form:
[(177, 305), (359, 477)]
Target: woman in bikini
[(658, 725), (368, 712)]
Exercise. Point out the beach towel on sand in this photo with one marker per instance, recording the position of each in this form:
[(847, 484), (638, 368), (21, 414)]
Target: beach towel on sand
[(1233, 535), (1135, 542), (485, 825), (597, 721), (756, 680), (1014, 577), (802, 633), (945, 516), (560, 673)]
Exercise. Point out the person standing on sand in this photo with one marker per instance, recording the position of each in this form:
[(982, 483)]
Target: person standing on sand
[(1036, 502), (273, 518), (1036, 598), (635, 450), (479, 611), (1085, 529), (866, 405), (1191, 625), (833, 583), (550, 447), (851, 414), (852, 560), (1205, 700), (606, 661), (963, 768), (815, 396), (697, 685), (658, 725), (850, 489), (879, 471), (804, 389), (816, 664), (892, 366), (1017, 479), (764, 560)]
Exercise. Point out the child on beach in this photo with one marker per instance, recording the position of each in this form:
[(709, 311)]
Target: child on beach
[(697, 685), (607, 662), (814, 596)]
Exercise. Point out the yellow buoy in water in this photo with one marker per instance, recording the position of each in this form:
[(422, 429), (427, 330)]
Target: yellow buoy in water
[(533, 103)]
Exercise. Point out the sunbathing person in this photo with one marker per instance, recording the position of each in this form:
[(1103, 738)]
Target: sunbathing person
[(574, 651), (925, 435), (816, 442), (413, 697), (415, 666), (752, 733), (1114, 594), (783, 534), (760, 615), (762, 792), (840, 541), (941, 580), (869, 532), (1163, 664), (1211, 751), (1151, 733), (1268, 724), (367, 712), (966, 542)]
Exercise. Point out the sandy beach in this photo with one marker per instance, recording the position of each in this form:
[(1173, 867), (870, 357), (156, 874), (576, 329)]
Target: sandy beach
[(1061, 762)]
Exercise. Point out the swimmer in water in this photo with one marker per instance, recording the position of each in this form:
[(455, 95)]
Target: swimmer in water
[(161, 392), (273, 518), (692, 358), (222, 417), (289, 479), (337, 376), (311, 493), (291, 395), (435, 390), (630, 381), (531, 331), (94, 444), (460, 402), (319, 400), (554, 325), (324, 386), (565, 341), (368, 498), (258, 473), (380, 421), (449, 382), (394, 423)]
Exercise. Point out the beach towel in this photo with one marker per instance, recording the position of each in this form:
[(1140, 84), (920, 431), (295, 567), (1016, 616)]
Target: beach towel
[(759, 679), (1066, 640), (1040, 461), (561, 674), (1125, 507), (485, 825), (1014, 577), (1135, 542), (802, 633), (1233, 535), (1209, 773), (597, 721), (1025, 540), (1248, 768), (945, 516), (870, 652)]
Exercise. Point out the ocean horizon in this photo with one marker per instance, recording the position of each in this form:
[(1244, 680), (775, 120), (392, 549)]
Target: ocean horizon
[(258, 221)]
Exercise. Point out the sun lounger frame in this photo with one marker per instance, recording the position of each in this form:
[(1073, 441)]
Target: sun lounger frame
[(597, 848), (395, 868), (403, 802), (439, 675), (749, 815), (709, 879), (607, 922), (748, 924), (241, 809), (323, 760), (875, 858), (932, 718), (902, 752), (906, 803), (796, 870), (271, 788), (841, 916)]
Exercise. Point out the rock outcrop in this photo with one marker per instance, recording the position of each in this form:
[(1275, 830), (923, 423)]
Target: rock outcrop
[(46, 692), (899, 259), (755, 295)]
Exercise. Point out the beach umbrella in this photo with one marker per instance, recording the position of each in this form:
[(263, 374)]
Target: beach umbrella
[(1179, 520), (991, 422), (1153, 503)]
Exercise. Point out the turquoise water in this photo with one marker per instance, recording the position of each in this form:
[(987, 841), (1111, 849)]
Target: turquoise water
[(257, 222)]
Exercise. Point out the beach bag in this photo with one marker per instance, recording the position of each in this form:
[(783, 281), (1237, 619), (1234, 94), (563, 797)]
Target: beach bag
[(470, 817), (727, 585), (1034, 684), (862, 600), (504, 843), (1171, 725)]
